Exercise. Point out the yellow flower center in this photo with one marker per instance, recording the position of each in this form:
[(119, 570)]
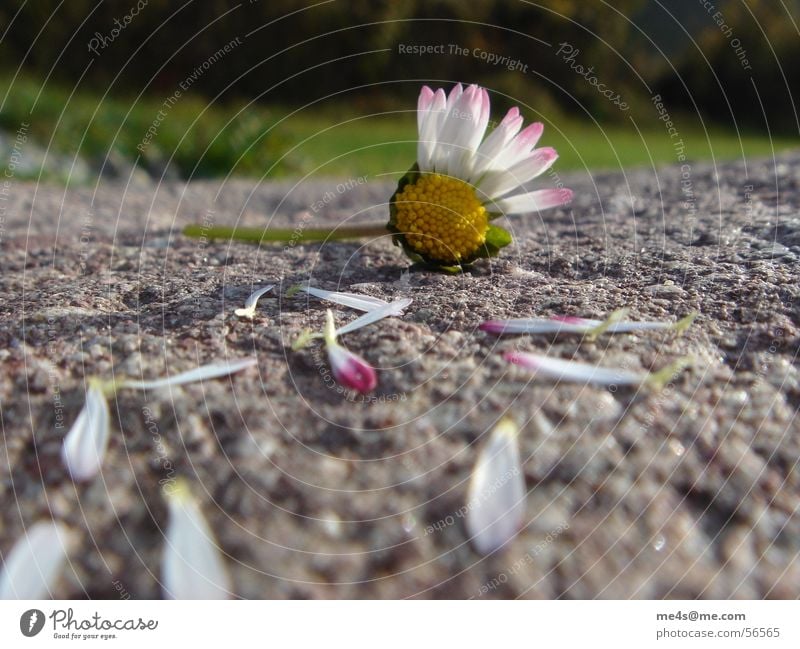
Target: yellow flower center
[(441, 218)]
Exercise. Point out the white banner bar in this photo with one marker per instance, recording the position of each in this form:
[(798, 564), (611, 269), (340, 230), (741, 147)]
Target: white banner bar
[(400, 625)]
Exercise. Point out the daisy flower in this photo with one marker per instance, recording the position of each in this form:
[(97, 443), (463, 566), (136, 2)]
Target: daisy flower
[(442, 211)]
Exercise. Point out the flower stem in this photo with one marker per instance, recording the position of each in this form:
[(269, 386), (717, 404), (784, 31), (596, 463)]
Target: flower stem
[(295, 235)]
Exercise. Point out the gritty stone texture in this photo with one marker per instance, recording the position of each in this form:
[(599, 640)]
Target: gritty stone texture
[(688, 492)]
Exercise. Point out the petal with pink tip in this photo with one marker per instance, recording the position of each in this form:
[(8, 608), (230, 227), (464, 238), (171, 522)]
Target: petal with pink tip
[(499, 183), (453, 138), (351, 370), (493, 145), (541, 199), (520, 146), (424, 144), (564, 370)]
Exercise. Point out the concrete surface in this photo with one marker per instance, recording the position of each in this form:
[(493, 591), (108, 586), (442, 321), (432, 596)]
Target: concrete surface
[(688, 492)]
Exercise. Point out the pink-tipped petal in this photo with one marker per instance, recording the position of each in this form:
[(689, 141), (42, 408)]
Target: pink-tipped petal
[(529, 136), (424, 101), (429, 130), (499, 183), (536, 201), (351, 370), (453, 96), (469, 159), (520, 146), (492, 147), (426, 98), (565, 370), (457, 129), (571, 319), (493, 326)]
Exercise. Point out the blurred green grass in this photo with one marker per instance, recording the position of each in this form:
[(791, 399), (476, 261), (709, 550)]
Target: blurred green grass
[(385, 144), (207, 140)]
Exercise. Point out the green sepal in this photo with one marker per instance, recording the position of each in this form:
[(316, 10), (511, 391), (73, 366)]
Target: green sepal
[(496, 239), (398, 239)]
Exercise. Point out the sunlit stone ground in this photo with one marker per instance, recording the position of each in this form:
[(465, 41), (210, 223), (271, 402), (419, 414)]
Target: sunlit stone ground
[(690, 492)]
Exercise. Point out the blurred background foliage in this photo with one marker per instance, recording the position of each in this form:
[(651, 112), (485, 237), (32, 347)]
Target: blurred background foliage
[(321, 87)]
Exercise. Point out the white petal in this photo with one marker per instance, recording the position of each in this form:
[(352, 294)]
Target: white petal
[(85, 444), (450, 129), (536, 326), (423, 104), (519, 147), (250, 303), (203, 373), (394, 308), (429, 130), (478, 118), (627, 327), (564, 370), (455, 94), (567, 324), (541, 199), (192, 566), (353, 300), (423, 108), (485, 112), (496, 497), (459, 129), (498, 183), (494, 144), (32, 567)]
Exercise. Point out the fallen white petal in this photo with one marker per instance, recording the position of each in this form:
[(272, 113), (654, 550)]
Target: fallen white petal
[(627, 327), (496, 496), (353, 300), (85, 444), (250, 303), (566, 324), (32, 567), (561, 369), (541, 424), (192, 566), (203, 373), (536, 326), (394, 308)]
